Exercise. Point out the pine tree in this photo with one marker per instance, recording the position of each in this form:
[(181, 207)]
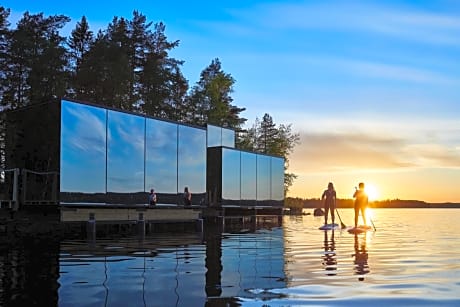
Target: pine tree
[(5, 35), (211, 98), (160, 76), (37, 61), (79, 44)]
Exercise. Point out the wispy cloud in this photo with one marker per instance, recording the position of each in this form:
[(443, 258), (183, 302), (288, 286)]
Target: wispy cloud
[(350, 151), (403, 22), (332, 152)]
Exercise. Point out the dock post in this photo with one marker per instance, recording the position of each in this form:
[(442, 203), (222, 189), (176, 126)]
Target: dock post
[(141, 225), (199, 225), (91, 228)]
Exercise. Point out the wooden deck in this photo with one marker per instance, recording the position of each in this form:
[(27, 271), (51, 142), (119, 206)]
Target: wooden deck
[(129, 213)]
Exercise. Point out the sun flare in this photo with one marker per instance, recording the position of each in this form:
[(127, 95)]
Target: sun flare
[(372, 192)]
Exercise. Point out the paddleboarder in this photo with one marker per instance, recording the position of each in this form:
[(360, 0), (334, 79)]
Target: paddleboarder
[(329, 197), (361, 202)]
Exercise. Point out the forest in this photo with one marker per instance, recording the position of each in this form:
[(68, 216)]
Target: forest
[(125, 66)]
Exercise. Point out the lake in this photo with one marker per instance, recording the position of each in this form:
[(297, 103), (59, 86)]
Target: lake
[(413, 258)]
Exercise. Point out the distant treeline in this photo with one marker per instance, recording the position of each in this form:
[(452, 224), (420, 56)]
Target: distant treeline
[(291, 202)]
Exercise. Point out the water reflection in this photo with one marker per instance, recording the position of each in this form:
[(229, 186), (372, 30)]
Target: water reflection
[(329, 257), (29, 272), (250, 263), (152, 265), (361, 257)]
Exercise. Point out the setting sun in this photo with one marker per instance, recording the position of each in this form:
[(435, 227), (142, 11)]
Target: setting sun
[(372, 192)]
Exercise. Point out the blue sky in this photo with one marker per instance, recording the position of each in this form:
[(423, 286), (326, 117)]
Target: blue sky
[(371, 86)]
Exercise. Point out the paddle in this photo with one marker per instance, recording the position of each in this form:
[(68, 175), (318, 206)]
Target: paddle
[(373, 224), (341, 223)]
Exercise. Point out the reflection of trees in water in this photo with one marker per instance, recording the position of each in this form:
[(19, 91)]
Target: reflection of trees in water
[(329, 257), (29, 270), (361, 256)]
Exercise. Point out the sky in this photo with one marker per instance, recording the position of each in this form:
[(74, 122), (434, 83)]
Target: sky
[(371, 87)]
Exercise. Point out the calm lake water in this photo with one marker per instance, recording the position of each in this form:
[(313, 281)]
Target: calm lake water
[(413, 258)]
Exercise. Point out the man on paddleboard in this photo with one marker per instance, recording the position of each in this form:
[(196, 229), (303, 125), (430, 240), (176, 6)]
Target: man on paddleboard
[(329, 197), (361, 202)]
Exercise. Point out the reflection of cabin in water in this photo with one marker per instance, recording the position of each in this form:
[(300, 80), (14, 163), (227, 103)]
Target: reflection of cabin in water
[(72, 155)]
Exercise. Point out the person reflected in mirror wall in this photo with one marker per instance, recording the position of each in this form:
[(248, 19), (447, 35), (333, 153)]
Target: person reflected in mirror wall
[(152, 198), (187, 197)]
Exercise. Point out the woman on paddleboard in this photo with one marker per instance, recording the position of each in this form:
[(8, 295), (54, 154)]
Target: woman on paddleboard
[(329, 196), (361, 201)]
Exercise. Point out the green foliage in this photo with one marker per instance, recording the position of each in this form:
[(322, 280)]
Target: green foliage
[(211, 100), (34, 68)]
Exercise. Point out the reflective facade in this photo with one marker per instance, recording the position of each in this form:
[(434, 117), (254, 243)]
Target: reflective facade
[(243, 178), (109, 156), (83, 153), (218, 136), (161, 157), (191, 165)]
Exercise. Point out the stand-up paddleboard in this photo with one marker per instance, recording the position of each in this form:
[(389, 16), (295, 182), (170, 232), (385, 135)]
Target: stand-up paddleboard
[(329, 226), (359, 229)]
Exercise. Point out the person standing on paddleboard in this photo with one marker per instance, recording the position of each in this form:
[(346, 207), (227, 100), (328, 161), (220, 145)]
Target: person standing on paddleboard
[(329, 196), (361, 202)]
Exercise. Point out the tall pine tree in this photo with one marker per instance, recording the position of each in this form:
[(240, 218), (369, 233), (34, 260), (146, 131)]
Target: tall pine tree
[(79, 44), (36, 61), (211, 98)]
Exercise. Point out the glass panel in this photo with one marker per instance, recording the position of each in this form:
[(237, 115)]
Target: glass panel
[(125, 153), (248, 178), (263, 178), (228, 138), (214, 136), (192, 162), (230, 176), (83, 149), (277, 191), (161, 159)]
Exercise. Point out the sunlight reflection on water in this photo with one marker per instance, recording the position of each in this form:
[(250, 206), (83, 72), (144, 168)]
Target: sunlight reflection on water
[(411, 259)]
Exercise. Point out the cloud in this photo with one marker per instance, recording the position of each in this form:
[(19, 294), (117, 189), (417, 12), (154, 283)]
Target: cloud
[(436, 154), (403, 22), (336, 152), (348, 151)]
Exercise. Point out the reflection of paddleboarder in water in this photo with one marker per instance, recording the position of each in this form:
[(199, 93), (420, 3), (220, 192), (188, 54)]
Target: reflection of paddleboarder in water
[(361, 257), (329, 257)]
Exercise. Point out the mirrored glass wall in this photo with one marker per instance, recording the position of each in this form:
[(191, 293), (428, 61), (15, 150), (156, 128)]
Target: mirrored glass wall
[(249, 178), (218, 136), (161, 159), (245, 178), (109, 156), (231, 174), (83, 153), (191, 162), (125, 153)]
